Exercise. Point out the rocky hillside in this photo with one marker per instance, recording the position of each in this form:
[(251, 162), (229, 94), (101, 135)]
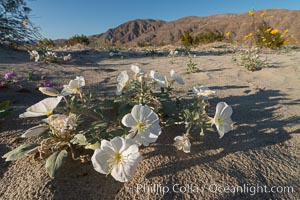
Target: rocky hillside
[(158, 32)]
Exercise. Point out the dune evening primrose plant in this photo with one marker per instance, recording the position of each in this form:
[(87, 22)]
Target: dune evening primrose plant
[(75, 124)]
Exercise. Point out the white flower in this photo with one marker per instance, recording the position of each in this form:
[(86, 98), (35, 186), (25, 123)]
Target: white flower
[(173, 53), (120, 157), (122, 81), (160, 80), (204, 92), (183, 143), (111, 54), (49, 91), (222, 118), (144, 124), (176, 78), (35, 131), (34, 54), (68, 57), (62, 124), (50, 54), (44, 107), (137, 70), (74, 86)]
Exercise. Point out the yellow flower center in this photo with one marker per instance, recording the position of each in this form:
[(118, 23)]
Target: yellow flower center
[(181, 142), (141, 126), (49, 113), (218, 120), (118, 158)]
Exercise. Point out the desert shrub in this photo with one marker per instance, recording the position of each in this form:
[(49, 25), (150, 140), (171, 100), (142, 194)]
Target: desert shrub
[(78, 39), (143, 44), (186, 39), (209, 36), (270, 37), (46, 43)]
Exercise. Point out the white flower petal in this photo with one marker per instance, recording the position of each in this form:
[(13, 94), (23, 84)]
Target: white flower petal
[(49, 91), (67, 91), (159, 79), (41, 108), (182, 143), (35, 131), (186, 148), (220, 107), (107, 146), (118, 144), (226, 112), (133, 148), (136, 112), (128, 120), (99, 161), (123, 77), (176, 78)]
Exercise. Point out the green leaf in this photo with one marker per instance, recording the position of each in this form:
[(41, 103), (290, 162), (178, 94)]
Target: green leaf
[(54, 162), (196, 116), (108, 104), (124, 109), (118, 132), (19, 152), (4, 105)]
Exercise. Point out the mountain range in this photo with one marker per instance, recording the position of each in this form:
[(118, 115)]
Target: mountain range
[(159, 32)]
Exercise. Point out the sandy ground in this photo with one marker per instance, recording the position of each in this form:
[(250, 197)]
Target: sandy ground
[(263, 150)]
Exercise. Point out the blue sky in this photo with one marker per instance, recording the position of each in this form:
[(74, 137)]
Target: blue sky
[(65, 18)]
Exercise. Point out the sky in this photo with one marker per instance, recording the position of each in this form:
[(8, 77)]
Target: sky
[(65, 18)]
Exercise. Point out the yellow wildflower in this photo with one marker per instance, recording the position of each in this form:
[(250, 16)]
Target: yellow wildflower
[(268, 30), (247, 36), (251, 13), (262, 14), (274, 31), (286, 30), (24, 23), (228, 34)]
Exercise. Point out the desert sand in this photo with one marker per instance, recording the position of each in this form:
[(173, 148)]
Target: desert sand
[(263, 149)]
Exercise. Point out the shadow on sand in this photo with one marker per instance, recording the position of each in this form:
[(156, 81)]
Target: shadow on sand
[(258, 127)]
